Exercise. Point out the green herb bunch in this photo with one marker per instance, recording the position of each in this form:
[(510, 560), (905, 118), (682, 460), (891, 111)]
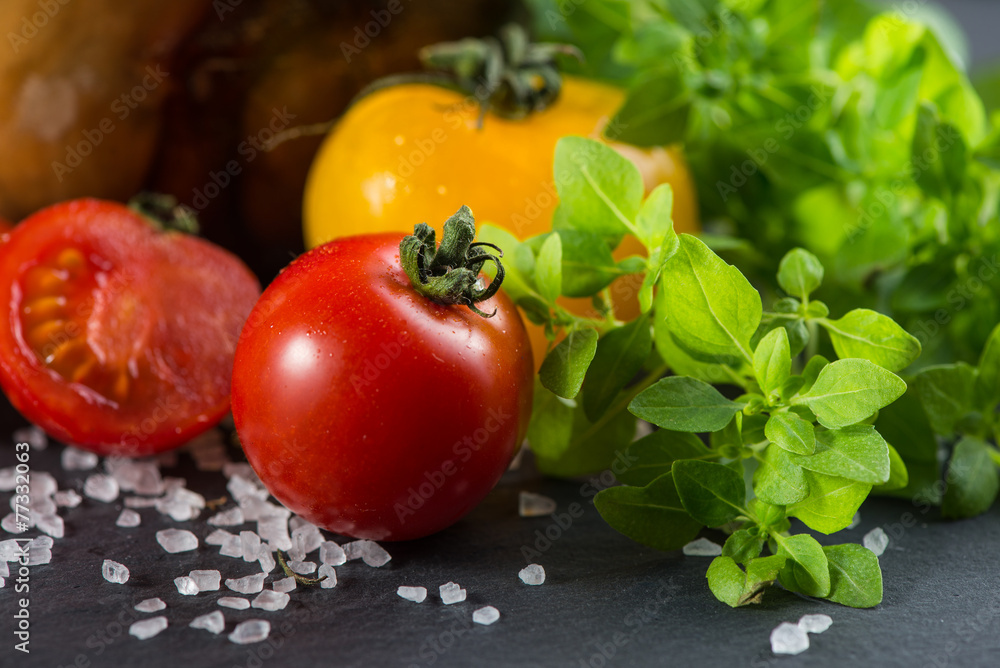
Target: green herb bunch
[(785, 434)]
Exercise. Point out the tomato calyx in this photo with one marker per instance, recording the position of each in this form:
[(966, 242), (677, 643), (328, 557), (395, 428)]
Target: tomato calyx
[(449, 273), (519, 76), (164, 213)]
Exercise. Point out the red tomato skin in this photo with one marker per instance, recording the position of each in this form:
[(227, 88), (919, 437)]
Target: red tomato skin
[(164, 274), (370, 410)]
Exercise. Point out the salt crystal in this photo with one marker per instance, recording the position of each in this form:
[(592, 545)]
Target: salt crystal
[(274, 530), (38, 556), (702, 547), (150, 605), (43, 484), (4, 569), (815, 623), (176, 540), (114, 572), (332, 553), (207, 580), (228, 518), (876, 541), (451, 592), (284, 585), (218, 537), (42, 542), (270, 600), (68, 498), (266, 559), (788, 638), (12, 550), (302, 567), (856, 521), (101, 487), (241, 469), (33, 436), (176, 510), (170, 483), (328, 575), (535, 505), (51, 524), (128, 519), (8, 479), (368, 551), (532, 574), (486, 616), (232, 546), (186, 585), (250, 584), (234, 602), (3, 582), (251, 545), (213, 622), (307, 538), (147, 628), (250, 631), (74, 459), (415, 594), (11, 524), (242, 489)]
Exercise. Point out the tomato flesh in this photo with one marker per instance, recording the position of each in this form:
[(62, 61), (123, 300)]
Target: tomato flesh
[(370, 410), (121, 337)]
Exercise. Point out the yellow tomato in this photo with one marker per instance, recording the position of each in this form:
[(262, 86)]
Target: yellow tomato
[(415, 153)]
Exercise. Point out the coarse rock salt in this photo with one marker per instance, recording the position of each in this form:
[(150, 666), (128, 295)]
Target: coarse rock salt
[(415, 594), (206, 580), (532, 574), (534, 505), (147, 628), (67, 498), (242, 470), (219, 537), (11, 524), (702, 547), (213, 622), (128, 519), (251, 584), (328, 576), (788, 638), (451, 592), (12, 550), (876, 540), (114, 572), (186, 585), (306, 538), (228, 518), (177, 540), (855, 521), (251, 545), (270, 600), (150, 605), (302, 567), (32, 435), (284, 585), (331, 553), (265, 558), (815, 623), (101, 487), (486, 615), (250, 631), (234, 602), (368, 551), (232, 547), (51, 524), (74, 459), (274, 530), (243, 490), (38, 556)]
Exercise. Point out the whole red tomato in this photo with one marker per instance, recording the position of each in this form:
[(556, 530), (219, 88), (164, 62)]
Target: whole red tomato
[(118, 336), (369, 409)]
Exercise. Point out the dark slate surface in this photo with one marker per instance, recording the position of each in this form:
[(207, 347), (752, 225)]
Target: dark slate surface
[(606, 601)]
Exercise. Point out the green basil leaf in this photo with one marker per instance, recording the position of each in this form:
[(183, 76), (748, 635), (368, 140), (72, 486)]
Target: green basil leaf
[(946, 393), (712, 493), (712, 310), (761, 573), (620, 355), (855, 576), (972, 480), (874, 337), (772, 361), (652, 515), (811, 371), (904, 424), (848, 391), (548, 268), (680, 403), (988, 378), (807, 570), (653, 455), (743, 545), (656, 110), (600, 191), (800, 273), (857, 453), (566, 365), (790, 432), (899, 477), (655, 222), (831, 503), (726, 580), (587, 264), (779, 481), (518, 280)]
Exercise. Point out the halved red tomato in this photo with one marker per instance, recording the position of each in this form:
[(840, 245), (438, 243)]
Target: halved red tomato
[(119, 336)]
